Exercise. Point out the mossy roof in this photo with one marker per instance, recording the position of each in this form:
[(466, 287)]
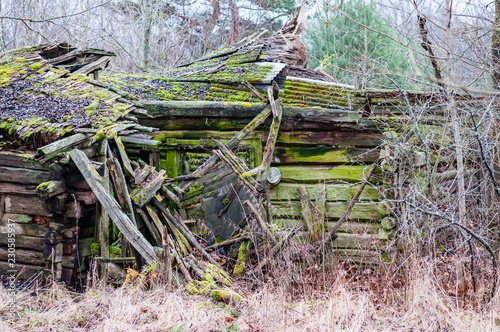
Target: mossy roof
[(39, 99)]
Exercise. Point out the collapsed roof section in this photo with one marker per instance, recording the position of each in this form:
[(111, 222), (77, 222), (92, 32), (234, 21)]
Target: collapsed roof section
[(45, 93)]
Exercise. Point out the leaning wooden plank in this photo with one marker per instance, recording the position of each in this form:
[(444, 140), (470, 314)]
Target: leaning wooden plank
[(31, 205), (123, 155), (64, 145), (151, 228), (102, 220), (50, 189), (145, 192), (22, 175), (187, 234), (271, 140), (233, 142), (250, 183), (170, 195), (93, 66), (241, 166), (265, 229), (119, 218), (121, 189)]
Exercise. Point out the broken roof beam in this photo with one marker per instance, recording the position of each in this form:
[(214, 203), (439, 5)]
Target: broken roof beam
[(119, 218), (52, 150)]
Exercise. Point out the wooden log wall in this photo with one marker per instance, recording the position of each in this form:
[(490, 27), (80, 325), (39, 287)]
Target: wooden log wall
[(327, 161), (52, 212)]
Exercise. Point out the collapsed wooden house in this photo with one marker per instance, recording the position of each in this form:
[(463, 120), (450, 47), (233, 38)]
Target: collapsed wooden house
[(116, 167)]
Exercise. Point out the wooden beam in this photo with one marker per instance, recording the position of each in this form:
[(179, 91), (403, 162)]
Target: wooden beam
[(22, 175)]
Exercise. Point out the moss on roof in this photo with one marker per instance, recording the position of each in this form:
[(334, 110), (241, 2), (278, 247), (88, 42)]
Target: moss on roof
[(36, 97)]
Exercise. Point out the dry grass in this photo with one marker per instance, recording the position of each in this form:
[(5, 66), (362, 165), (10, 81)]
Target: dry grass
[(349, 303)]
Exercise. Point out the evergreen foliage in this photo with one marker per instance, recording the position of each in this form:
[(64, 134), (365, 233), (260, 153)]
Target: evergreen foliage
[(352, 53)]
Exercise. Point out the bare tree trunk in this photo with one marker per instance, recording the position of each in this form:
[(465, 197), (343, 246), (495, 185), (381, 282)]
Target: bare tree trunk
[(146, 32), (2, 40), (209, 27), (454, 117), (495, 48), (235, 23)]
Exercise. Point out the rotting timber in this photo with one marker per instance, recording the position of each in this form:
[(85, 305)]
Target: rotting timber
[(175, 170)]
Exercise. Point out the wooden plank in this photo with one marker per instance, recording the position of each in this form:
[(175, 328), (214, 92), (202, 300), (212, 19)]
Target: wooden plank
[(324, 155), (60, 146), (16, 218), (313, 174), (354, 227), (13, 159), (24, 271), (25, 256), (119, 218), (28, 242), (334, 210), (134, 141), (331, 138), (145, 192), (23, 175), (19, 189), (334, 192), (33, 229), (354, 241), (123, 155), (31, 205), (204, 109)]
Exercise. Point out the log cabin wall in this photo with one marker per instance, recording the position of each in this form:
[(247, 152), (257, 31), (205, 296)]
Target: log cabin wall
[(329, 159), (52, 210)]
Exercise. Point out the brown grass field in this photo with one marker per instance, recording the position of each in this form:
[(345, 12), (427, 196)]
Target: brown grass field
[(343, 299)]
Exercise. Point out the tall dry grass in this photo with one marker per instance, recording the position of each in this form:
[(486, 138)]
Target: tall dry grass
[(348, 302)]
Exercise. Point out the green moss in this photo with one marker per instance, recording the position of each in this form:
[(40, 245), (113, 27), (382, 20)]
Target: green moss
[(43, 185), (36, 66), (79, 77), (226, 296), (239, 269), (6, 73)]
